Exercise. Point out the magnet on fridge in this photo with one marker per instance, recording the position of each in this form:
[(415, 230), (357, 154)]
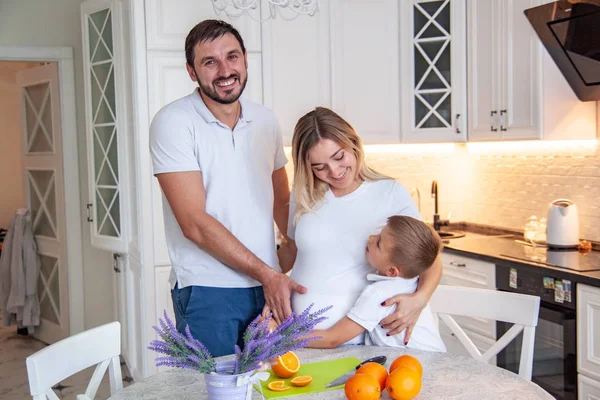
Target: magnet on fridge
[(548, 282), (567, 290), (559, 295), (512, 278)]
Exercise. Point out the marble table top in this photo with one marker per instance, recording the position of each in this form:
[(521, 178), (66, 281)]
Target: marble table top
[(445, 376)]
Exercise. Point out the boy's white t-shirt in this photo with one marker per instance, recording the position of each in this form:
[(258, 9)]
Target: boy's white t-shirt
[(332, 240), (368, 312)]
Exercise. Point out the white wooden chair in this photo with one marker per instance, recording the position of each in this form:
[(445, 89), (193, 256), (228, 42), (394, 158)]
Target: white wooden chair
[(101, 346), (520, 309)]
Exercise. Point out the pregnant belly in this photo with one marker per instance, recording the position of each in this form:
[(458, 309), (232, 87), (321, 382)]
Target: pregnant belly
[(341, 304)]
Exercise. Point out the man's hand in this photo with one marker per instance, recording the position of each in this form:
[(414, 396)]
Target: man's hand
[(408, 309), (278, 289)]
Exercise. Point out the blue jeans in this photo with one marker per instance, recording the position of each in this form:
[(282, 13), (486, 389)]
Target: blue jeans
[(217, 317)]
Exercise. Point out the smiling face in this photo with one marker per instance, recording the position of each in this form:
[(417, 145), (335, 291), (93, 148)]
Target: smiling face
[(220, 68), (335, 166), (379, 253)]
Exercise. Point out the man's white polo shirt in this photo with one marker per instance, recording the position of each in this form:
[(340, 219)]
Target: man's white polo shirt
[(237, 168)]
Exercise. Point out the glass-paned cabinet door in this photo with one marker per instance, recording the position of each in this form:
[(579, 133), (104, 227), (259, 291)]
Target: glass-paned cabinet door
[(433, 60), (105, 123)]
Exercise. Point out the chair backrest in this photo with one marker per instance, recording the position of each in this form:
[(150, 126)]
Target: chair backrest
[(53, 364), (520, 309)]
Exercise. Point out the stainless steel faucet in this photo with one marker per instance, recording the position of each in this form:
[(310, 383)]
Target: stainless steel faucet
[(437, 222), (418, 192)]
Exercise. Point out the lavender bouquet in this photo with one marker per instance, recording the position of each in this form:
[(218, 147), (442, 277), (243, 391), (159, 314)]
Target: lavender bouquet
[(260, 345)]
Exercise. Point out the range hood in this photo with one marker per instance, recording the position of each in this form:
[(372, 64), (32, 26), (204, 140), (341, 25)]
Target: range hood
[(570, 31)]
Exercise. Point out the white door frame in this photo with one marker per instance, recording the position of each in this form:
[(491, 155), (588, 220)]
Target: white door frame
[(66, 76)]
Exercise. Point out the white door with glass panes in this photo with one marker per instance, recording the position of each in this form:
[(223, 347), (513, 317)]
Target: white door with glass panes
[(433, 70), (108, 211), (44, 193), (505, 71)]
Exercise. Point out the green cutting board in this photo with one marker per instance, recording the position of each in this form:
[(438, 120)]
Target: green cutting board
[(322, 373)]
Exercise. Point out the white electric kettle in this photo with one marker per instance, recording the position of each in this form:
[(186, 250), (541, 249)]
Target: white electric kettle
[(562, 229)]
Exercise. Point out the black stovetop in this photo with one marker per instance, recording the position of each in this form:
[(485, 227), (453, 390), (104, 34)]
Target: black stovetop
[(507, 247)]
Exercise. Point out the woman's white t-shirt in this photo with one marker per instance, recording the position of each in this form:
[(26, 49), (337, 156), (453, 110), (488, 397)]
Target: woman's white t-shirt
[(331, 241)]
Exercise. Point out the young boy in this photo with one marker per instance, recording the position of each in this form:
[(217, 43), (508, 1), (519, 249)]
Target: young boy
[(405, 248)]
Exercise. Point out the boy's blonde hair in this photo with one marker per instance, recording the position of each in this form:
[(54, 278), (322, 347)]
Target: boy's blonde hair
[(416, 245), (322, 123)]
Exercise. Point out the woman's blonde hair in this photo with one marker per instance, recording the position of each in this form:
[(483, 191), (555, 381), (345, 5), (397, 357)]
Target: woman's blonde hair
[(322, 123)]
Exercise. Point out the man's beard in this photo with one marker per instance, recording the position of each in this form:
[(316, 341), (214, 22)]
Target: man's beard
[(210, 92)]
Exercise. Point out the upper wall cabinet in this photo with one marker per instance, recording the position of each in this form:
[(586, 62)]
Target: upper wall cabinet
[(433, 71), (106, 123), (365, 83), (296, 67), (169, 22), (504, 71), (515, 90)]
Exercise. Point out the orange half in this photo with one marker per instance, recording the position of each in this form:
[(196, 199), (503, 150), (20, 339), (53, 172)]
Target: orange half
[(301, 380), (286, 365), (278, 386)]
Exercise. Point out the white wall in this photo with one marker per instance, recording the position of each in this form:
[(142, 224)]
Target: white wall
[(497, 183), (11, 174), (57, 23)]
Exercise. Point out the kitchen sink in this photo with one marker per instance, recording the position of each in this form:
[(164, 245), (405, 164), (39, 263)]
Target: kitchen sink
[(450, 234)]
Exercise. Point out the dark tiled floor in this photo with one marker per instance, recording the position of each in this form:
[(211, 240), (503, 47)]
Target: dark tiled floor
[(15, 348)]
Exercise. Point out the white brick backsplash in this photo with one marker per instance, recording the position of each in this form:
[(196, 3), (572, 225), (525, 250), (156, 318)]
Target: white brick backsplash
[(499, 184)]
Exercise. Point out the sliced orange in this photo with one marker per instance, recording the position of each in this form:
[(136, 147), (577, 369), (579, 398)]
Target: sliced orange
[(278, 386), (301, 380), (286, 365)]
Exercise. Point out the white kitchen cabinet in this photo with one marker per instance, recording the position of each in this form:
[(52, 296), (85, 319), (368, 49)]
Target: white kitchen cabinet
[(504, 71), (587, 389), (433, 70), (515, 90), (588, 331), (364, 67), (296, 67), (464, 271), (401, 77), (104, 64), (469, 272), (168, 23)]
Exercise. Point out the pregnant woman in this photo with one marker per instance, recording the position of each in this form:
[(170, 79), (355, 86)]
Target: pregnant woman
[(337, 202)]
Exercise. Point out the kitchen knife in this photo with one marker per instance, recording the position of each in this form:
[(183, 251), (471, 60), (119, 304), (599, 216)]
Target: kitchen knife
[(342, 379)]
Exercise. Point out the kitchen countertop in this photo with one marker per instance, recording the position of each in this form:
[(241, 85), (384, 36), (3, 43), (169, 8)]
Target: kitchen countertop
[(506, 250)]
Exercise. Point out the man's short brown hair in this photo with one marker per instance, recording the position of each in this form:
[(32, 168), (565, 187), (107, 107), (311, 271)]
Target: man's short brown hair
[(416, 245), (209, 29)]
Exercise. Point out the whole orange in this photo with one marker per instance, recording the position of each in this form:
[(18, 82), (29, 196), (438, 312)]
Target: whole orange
[(409, 362), (377, 371), (403, 384), (286, 366), (362, 387)]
